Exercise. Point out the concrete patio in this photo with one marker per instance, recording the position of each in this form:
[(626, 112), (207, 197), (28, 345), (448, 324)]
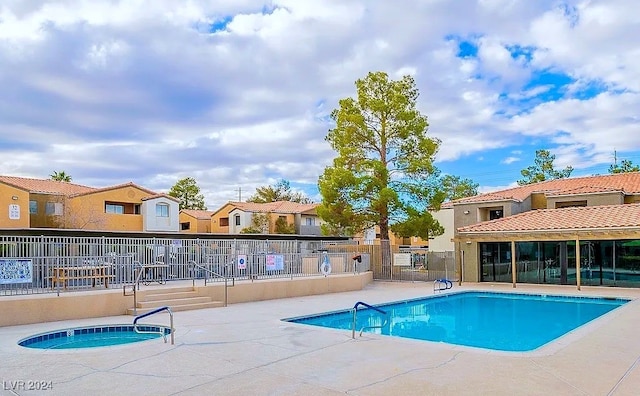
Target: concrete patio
[(245, 349)]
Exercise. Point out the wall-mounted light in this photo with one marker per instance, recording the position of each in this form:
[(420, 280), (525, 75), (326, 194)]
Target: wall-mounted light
[(15, 197), (468, 242), (466, 212)]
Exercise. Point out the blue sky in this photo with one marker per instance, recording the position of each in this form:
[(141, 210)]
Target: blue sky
[(237, 93)]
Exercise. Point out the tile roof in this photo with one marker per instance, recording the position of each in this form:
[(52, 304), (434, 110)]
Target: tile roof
[(629, 183), (156, 195), (564, 219), (274, 207), (117, 186), (45, 186), (198, 214)]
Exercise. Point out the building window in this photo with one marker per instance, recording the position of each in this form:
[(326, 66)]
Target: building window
[(162, 210), (568, 204), (33, 207), (113, 208), (53, 208), (310, 221), (136, 209), (185, 226), (224, 222), (237, 219), (495, 214)]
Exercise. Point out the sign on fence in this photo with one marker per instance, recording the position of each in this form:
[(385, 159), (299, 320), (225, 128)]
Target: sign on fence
[(15, 271), (275, 262), (242, 261), (402, 259)]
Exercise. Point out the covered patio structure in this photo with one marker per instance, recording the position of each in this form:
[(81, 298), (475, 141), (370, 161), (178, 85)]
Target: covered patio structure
[(591, 246)]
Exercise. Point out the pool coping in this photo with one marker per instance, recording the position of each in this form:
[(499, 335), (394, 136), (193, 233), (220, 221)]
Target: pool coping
[(246, 348)]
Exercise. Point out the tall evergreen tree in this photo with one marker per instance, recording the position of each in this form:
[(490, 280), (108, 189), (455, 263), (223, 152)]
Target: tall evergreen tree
[(384, 174), (188, 192)]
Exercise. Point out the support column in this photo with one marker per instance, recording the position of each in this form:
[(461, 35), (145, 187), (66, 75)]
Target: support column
[(578, 263), (513, 263)]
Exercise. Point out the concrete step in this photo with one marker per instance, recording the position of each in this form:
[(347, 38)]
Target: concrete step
[(169, 295), (173, 301), (176, 308), (163, 289)]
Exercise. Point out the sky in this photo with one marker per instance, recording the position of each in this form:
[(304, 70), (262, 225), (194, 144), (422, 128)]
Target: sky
[(237, 93)]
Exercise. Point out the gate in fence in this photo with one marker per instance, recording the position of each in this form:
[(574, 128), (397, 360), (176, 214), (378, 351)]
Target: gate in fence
[(416, 264)]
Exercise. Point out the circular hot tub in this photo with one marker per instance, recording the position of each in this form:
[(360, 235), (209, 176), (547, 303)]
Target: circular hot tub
[(94, 336)]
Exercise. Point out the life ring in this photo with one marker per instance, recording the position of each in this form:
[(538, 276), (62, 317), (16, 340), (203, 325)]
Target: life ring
[(325, 268)]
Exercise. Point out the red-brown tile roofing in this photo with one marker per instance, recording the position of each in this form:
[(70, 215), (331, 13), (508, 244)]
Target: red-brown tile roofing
[(275, 207), (45, 186), (565, 219), (155, 195), (629, 183), (117, 186), (198, 214)]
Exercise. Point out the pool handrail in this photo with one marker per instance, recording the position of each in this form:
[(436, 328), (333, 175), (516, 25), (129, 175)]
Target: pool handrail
[(359, 303), (438, 285), (153, 312), (355, 314)]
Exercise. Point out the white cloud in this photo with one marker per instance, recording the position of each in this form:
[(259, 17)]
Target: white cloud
[(118, 90), (510, 160)]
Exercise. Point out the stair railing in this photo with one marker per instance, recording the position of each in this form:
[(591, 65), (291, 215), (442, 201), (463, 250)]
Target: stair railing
[(195, 265), (135, 282)]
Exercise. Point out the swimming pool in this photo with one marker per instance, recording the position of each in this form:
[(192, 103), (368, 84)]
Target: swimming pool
[(95, 336), (497, 321)]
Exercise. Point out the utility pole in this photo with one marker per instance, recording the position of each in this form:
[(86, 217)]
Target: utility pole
[(239, 190), (615, 158)]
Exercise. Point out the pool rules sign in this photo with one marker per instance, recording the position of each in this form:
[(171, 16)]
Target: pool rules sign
[(14, 212)]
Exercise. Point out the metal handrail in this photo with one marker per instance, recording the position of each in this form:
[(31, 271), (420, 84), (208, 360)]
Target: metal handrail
[(438, 285), (135, 282), (155, 311), (207, 270), (354, 311)]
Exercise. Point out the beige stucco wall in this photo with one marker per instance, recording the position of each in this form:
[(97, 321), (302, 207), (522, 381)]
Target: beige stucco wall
[(443, 242), (614, 198), (469, 259), (17, 310)]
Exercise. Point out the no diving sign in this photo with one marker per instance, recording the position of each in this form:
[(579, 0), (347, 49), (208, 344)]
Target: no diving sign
[(242, 261)]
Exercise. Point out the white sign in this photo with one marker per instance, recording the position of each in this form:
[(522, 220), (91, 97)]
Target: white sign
[(14, 212), (402, 259), (15, 271), (275, 262), (242, 261)]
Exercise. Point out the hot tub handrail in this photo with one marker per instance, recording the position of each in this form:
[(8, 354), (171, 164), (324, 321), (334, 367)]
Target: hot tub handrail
[(354, 311), (161, 331)]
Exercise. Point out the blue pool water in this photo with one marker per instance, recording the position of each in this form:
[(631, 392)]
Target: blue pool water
[(498, 321), (92, 337)]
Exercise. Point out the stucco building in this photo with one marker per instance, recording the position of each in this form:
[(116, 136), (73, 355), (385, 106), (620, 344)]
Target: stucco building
[(40, 203), (576, 231), (233, 217)]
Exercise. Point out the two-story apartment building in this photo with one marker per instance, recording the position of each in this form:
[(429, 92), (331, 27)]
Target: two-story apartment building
[(40, 203), (195, 221), (576, 231), (233, 217)]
